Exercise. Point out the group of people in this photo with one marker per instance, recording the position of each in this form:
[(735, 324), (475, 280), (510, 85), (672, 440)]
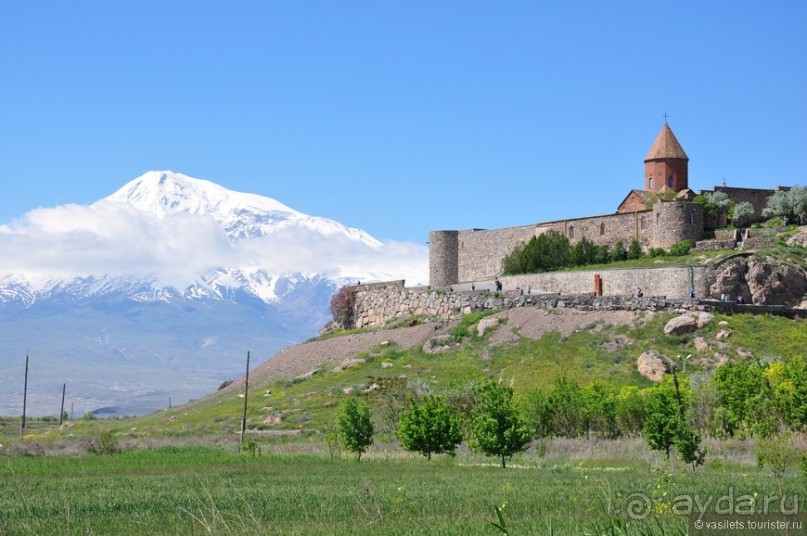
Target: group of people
[(725, 297)]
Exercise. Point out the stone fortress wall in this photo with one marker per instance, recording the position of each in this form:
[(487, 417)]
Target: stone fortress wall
[(378, 303), (477, 254)]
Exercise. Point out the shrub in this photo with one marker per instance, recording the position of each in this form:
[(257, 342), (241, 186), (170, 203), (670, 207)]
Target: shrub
[(656, 252), (619, 253), (343, 304), (635, 250), (679, 249), (104, 443)]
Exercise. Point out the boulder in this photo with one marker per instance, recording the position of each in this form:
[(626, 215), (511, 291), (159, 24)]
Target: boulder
[(723, 334), (799, 239), (486, 324), (702, 318), (680, 325), (773, 282), (729, 279), (652, 365), (700, 344), (349, 363), (439, 345)]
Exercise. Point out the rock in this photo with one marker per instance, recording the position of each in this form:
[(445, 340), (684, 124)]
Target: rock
[(720, 359), (703, 318), (799, 239), (386, 364), (700, 344), (722, 323), (742, 352), (439, 345), (773, 282), (373, 387), (729, 279), (349, 363), (486, 324), (802, 305), (723, 334), (307, 374), (652, 365), (680, 325)]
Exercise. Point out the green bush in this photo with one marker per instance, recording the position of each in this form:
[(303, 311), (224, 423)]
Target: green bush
[(679, 249), (656, 252)]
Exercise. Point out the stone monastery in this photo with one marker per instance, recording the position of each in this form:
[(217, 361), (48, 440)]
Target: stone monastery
[(660, 215)]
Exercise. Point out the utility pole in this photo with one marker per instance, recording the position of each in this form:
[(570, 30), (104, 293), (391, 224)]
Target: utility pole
[(246, 396), (61, 411), (24, 399)]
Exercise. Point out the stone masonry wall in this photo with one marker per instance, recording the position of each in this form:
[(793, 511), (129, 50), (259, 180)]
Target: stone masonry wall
[(376, 304), (480, 251)]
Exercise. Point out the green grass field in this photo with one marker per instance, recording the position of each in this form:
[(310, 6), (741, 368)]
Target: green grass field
[(156, 486), (206, 490)]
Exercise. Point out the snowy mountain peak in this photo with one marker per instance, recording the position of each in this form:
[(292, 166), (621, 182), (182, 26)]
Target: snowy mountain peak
[(166, 192), (242, 215)]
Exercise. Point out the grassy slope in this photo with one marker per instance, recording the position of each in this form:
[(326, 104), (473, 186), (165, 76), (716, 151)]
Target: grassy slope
[(311, 405)]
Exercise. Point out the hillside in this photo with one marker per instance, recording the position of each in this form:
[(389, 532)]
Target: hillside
[(527, 348)]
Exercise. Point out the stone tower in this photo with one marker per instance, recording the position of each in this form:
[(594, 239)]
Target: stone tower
[(666, 164)]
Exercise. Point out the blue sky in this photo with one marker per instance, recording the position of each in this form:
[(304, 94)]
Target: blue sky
[(398, 117)]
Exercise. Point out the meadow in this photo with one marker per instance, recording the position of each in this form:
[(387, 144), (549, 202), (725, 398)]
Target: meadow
[(181, 470), (213, 490)]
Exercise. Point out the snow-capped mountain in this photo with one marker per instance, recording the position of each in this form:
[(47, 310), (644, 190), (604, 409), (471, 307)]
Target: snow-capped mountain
[(241, 215), (160, 289)]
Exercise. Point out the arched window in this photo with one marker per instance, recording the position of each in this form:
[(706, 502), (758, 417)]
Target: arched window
[(641, 222), (670, 181), (602, 229), (692, 219), (650, 183), (571, 231), (658, 219)]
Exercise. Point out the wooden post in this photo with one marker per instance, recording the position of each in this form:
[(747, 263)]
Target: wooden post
[(246, 396), (24, 399), (61, 411)]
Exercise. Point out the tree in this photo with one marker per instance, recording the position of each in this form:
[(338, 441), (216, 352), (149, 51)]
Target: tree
[(497, 427), (743, 212), (566, 403), (545, 253), (791, 204), (355, 426), (662, 416), (584, 252), (343, 304), (635, 250), (431, 426), (619, 253)]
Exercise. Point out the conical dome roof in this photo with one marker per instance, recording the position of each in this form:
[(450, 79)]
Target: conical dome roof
[(666, 146)]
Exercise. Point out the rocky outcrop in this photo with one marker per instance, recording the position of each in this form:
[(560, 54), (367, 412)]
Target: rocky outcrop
[(652, 365), (759, 281), (680, 325), (441, 344), (774, 282), (799, 239)]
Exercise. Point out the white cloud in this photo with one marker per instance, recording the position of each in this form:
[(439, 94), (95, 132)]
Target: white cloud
[(117, 239)]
